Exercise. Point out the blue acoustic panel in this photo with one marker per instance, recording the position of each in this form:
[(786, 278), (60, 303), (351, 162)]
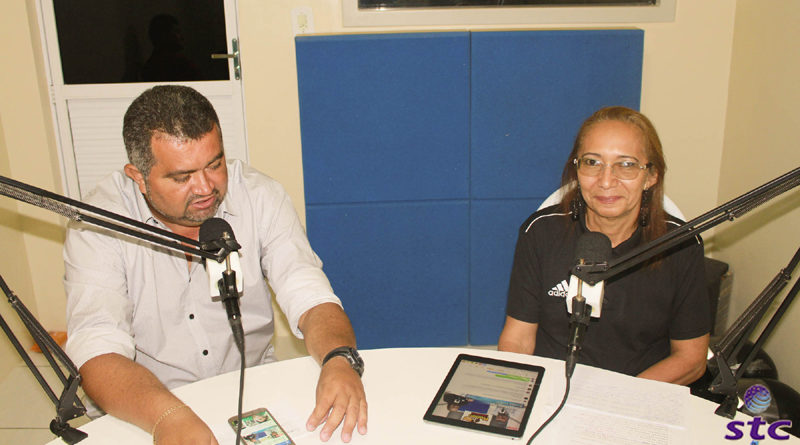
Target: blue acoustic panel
[(384, 117), (423, 153), (530, 92), (494, 225), (400, 269)]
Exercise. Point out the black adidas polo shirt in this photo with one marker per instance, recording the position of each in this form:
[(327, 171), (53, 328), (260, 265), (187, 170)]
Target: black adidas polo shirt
[(643, 308)]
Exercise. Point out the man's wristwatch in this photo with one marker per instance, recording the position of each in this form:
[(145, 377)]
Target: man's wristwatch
[(356, 362)]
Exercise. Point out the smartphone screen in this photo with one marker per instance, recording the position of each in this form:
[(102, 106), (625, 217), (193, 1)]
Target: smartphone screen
[(260, 428)]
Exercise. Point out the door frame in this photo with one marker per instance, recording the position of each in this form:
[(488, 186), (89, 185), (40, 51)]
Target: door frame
[(61, 94)]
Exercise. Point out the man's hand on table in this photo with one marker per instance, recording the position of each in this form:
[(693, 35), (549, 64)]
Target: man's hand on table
[(340, 395)]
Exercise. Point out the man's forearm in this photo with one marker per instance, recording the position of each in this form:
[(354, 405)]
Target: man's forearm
[(340, 393), (126, 390), (324, 328)]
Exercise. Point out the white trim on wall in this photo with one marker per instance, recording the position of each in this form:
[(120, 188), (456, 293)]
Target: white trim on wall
[(663, 11)]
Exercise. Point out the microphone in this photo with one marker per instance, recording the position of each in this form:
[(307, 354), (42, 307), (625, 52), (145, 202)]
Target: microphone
[(224, 281), (582, 299)]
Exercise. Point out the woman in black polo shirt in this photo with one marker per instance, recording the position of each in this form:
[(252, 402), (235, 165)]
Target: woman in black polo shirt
[(655, 317)]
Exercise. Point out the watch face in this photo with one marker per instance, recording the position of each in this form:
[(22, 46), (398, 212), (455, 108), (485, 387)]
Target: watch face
[(351, 354), (356, 361)]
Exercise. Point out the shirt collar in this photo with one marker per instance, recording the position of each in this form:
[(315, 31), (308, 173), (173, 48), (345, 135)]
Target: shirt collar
[(143, 209), (623, 247), (227, 207)]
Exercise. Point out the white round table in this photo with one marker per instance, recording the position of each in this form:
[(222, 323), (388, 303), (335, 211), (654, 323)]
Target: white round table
[(603, 406)]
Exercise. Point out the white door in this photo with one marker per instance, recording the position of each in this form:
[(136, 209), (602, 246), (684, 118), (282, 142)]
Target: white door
[(101, 54)]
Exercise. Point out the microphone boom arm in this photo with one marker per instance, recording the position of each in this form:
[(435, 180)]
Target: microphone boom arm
[(82, 212), (735, 337), (593, 273), (68, 405)]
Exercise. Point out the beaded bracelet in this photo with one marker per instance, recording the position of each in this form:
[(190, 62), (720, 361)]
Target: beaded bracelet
[(163, 416)]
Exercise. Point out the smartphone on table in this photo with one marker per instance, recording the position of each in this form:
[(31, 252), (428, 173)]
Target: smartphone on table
[(260, 428)]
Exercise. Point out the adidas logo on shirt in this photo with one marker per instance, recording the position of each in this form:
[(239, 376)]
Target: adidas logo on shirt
[(559, 290)]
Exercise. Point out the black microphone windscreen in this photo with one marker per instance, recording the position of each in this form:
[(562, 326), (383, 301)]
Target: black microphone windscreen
[(593, 247), (213, 228)]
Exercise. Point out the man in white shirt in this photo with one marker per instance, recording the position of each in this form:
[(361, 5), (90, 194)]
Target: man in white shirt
[(141, 319)]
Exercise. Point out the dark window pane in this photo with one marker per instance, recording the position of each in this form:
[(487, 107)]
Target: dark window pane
[(110, 41)]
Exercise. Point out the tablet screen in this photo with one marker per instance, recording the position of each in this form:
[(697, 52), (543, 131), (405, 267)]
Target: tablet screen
[(485, 394)]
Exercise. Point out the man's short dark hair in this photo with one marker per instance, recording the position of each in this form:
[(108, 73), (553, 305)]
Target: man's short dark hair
[(174, 110)]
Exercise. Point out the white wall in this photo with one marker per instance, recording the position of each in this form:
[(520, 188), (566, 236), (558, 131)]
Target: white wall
[(761, 143)]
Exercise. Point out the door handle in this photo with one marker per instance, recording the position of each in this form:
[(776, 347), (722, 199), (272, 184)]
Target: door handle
[(237, 64)]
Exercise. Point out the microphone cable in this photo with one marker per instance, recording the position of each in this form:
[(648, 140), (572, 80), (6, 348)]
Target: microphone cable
[(569, 364), (241, 397), (594, 247), (238, 338), (552, 416), (227, 287), (217, 233)]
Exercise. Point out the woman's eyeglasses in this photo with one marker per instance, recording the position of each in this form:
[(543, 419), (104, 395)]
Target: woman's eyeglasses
[(621, 169)]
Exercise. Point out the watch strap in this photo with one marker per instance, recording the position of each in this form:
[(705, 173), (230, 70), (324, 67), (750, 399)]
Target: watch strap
[(348, 353)]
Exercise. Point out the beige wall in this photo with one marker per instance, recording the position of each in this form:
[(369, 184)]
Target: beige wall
[(685, 85), (32, 158), (761, 143), (31, 237), (13, 268)]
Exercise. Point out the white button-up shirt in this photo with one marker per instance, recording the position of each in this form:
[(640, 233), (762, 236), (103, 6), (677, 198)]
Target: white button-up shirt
[(147, 303)]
